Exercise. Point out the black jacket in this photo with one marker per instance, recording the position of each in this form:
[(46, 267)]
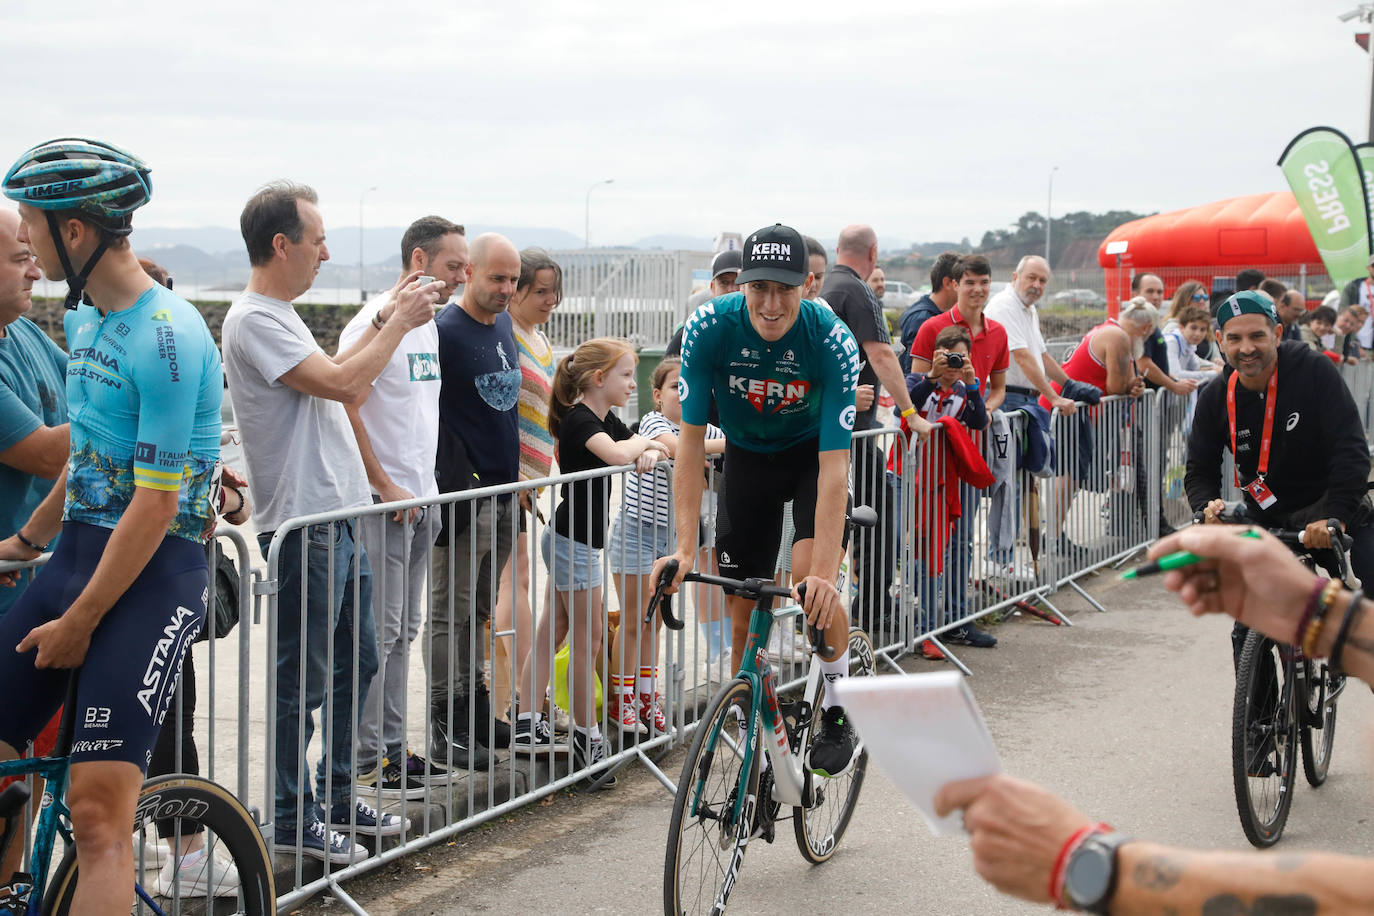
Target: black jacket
[(1319, 460)]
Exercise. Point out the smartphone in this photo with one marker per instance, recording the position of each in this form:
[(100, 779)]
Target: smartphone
[(425, 281)]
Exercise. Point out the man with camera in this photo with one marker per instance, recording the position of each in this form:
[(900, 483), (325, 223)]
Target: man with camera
[(989, 358)]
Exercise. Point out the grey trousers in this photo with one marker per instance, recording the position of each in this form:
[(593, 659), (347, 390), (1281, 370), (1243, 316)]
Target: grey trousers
[(400, 557), (464, 579)]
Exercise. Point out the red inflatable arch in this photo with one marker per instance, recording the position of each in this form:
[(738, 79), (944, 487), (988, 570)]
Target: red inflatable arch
[(1258, 230)]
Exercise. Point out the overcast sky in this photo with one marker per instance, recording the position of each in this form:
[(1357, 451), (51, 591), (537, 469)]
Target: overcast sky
[(927, 120)]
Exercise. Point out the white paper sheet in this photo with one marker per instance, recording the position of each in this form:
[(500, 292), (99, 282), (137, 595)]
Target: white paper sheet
[(922, 731)]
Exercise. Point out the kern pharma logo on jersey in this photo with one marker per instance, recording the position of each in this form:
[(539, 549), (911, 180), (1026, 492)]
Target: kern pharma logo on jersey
[(769, 395)]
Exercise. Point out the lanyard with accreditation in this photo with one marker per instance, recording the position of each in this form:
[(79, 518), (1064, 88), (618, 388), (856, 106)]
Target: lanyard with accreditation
[(1257, 488)]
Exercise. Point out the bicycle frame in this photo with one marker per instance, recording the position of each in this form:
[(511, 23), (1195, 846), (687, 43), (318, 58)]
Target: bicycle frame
[(791, 779), (52, 819)]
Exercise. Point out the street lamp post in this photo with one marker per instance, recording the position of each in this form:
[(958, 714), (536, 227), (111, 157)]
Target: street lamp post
[(587, 213), (1049, 215), (362, 286), (1364, 12)]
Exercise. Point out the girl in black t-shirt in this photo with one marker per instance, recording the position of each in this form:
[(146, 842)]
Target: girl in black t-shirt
[(599, 375)]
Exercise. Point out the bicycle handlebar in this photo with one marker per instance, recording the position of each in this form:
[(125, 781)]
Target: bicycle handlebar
[(753, 589), (1234, 514)]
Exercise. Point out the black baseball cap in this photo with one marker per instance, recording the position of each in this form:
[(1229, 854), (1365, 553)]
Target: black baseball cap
[(727, 262), (777, 253)]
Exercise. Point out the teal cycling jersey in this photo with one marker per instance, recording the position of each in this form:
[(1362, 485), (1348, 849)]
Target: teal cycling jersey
[(144, 387), (771, 395)]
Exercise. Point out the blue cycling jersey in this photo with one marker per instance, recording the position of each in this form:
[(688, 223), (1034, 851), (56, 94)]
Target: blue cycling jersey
[(771, 395), (143, 396)]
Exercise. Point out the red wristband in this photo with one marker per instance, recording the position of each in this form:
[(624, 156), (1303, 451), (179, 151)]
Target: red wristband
[(1061, 861)]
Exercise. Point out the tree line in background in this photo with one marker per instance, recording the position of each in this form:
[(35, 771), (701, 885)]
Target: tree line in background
[(1074, 241)]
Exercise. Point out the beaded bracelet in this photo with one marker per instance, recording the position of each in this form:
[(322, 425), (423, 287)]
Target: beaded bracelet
[(1355, 610), (1314, 629), (1308, 610)]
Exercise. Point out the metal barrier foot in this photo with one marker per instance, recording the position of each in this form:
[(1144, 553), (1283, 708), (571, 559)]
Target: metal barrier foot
[(1086, 597), (341, 895), (952, 658), (657, 773), (1045, 600)]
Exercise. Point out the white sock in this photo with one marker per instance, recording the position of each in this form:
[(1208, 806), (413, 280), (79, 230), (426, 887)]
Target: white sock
[(644, 684), (592, 731), (191, 858), (525, 717), (833, 671)]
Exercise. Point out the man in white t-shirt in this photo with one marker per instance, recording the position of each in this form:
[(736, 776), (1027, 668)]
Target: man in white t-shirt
[(301, 459), (1032, 368), (397, 427)]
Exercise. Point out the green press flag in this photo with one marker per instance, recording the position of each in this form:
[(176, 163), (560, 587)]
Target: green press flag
[(1325, 174)]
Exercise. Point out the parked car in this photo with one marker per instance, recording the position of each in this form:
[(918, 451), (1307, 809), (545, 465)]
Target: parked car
[(1079, 298), (898, 295)]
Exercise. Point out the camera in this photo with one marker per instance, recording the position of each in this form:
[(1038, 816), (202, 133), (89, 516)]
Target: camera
[(954, 360)]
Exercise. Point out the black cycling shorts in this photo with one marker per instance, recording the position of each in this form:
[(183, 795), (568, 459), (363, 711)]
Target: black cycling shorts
[(129, 677), (753, 489)]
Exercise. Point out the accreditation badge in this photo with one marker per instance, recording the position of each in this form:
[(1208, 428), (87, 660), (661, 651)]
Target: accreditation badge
[(1260, 492)]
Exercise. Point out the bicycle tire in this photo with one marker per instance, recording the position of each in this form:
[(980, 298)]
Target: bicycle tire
[(820, 828), (696, 863), (1317, 741), (229, 827), (1263, 740)]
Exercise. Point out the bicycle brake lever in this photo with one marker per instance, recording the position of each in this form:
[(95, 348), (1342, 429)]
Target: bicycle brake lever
[(818, 644), (662, 602)]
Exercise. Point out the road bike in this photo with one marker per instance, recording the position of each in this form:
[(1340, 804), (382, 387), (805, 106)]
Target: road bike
[(1282, 701), (191, 803), (726, 797)]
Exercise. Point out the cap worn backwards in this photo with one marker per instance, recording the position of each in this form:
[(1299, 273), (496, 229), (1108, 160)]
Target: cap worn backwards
[(1247, 302), (727, 262), (776, 253)]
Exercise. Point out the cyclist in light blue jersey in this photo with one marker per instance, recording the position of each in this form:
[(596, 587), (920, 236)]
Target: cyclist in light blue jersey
[(782, 371), (124, 594)]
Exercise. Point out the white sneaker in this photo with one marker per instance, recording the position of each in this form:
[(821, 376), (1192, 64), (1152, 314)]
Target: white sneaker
[(787, 645), (207, 876), (149, 851)]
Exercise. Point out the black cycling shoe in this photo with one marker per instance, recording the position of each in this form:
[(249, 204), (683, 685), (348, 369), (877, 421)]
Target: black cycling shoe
[(835, 746)]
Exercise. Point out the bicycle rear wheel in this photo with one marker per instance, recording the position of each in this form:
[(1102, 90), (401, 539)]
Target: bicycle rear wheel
[(706, 842), (230, 835), (820, 828), (1264, 733), (1319, 724)]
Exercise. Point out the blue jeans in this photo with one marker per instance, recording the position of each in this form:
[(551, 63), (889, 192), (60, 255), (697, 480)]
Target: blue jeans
[(940, 610), (326, 622)]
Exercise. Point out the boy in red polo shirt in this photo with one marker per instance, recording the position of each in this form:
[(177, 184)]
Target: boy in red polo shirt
[(973, 276), (990, 357)]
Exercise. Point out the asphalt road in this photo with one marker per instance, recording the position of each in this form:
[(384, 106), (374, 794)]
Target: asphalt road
[(1127, 713)]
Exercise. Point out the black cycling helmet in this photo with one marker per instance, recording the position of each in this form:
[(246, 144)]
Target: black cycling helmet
[(103, 183)]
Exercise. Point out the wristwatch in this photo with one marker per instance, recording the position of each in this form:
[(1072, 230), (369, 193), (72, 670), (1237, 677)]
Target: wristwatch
[(1090, 876)]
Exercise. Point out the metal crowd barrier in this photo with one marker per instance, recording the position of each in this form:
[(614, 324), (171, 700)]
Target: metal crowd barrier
[(1117, 471)]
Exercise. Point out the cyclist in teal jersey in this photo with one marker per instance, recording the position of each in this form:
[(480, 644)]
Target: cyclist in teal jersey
[(782, 371), (124, 594)]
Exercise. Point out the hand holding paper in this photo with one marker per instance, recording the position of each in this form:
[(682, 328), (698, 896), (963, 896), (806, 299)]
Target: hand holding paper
[(923, 731)]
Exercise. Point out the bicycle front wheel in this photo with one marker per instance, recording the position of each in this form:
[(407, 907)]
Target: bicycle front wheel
[(230, 836), (707, 838), (820, 828), (1264, 735), (1319, 724)]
